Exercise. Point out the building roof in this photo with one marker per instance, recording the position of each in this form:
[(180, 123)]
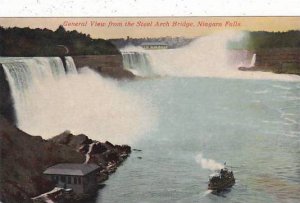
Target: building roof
[(71, 169), (153, 44)]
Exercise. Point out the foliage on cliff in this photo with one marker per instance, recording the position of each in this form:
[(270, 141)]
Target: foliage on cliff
[(266, 40), (44, 42)]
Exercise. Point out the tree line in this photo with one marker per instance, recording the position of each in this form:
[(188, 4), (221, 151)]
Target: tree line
[(17, 41)]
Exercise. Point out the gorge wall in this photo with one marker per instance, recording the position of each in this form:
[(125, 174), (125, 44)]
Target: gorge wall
[(24, 158), (277, 60)]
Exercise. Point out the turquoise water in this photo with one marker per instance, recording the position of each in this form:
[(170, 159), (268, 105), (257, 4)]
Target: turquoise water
[(252, 125)]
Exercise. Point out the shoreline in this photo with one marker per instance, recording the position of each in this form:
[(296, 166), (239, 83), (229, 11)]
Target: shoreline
[(25, 180)]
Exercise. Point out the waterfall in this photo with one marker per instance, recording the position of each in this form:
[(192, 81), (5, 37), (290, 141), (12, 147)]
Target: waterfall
[(25, 75), (138, 63), (252, 64), (50, 98), (71, 68), (25, 72)]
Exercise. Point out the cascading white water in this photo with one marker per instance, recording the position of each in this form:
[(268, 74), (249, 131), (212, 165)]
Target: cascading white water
[(253, 60), (206, 56), (138, 63), (48, 101), (25, 74), (71, 68), (27, 71)]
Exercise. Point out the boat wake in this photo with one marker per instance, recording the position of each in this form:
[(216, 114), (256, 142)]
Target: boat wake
[(207, 192)]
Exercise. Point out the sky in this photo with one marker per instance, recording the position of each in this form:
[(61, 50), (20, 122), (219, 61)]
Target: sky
[(140, 27)]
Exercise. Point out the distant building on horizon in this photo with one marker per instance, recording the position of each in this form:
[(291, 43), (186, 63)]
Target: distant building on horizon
[(81, 178), (154, 45)]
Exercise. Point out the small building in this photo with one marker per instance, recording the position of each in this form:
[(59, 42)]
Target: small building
[(81, 178), (154, 45)]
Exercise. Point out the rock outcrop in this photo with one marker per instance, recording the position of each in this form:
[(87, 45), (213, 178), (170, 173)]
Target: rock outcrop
[(25, 157), (23, 160), (106, 65), (104, 154)]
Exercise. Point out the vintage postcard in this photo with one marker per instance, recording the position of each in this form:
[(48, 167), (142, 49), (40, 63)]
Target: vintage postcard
[(150, 109)]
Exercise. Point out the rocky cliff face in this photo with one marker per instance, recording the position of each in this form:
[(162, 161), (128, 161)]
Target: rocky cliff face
[(23, 160), (279, 60), (25, 157), (6, 101), (106, 65), (284, 60)]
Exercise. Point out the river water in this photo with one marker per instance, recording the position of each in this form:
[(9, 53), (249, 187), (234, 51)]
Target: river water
[(201, 112), (253, 125)]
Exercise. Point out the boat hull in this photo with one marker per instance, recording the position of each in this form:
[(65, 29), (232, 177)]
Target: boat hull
[(221, 186)]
